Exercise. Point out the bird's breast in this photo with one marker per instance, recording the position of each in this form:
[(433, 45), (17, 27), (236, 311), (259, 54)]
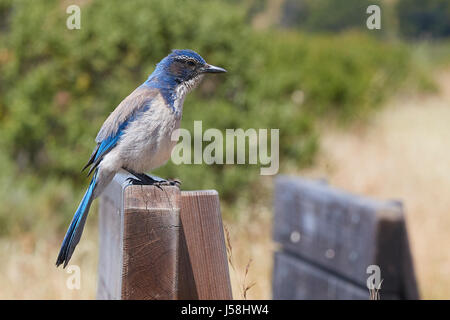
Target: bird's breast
[(147, 143)]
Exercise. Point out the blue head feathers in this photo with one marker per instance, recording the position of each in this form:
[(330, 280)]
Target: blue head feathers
[(187, 54), (181, 66)]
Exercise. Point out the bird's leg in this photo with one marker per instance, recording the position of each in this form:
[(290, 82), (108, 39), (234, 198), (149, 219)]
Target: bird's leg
[(141, 178), (145, 179)]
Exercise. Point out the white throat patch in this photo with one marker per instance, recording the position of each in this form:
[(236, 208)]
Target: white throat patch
[(184, 88)]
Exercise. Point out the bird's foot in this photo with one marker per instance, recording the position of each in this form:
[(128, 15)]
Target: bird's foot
[(167, 183), (147, 180)]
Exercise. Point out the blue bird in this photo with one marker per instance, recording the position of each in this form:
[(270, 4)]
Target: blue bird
[(136, 137)]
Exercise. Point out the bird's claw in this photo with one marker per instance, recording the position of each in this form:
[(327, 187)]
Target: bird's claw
[(135, 181), (149, 181), (163, 183), (174, 182)]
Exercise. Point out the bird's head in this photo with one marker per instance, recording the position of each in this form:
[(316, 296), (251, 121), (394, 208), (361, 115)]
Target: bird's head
[(184, 67)]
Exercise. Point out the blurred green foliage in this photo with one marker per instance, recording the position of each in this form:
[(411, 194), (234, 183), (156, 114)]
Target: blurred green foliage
[(57, 86), (424, 19), (415, 19), (328, 15)]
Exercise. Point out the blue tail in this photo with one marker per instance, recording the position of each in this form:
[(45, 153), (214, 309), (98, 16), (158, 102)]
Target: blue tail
[(76, 227)]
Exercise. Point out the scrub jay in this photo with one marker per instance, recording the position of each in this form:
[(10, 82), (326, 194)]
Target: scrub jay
[(136, 136)]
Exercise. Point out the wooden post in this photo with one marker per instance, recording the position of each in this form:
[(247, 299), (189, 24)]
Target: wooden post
[(204, 256), (161, 244), (329, 238)]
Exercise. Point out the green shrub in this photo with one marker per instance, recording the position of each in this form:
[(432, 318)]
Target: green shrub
[(57, 86)]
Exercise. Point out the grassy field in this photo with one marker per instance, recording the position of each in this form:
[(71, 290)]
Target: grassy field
[(400, 154)]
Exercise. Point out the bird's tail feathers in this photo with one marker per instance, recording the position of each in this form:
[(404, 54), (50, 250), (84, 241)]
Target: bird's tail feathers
[(76, 227)]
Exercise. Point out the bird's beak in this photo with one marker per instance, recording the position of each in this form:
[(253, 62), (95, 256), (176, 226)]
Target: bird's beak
[(212, 69)]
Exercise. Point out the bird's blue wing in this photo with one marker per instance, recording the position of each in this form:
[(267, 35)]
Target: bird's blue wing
[(104, 147), (113, 128)]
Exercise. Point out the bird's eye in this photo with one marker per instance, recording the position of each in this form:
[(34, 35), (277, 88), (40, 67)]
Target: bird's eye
[(190, 63)]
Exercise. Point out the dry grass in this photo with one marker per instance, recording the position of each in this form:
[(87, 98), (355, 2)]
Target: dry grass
[(243, 285), (374, 293), (28, 268)]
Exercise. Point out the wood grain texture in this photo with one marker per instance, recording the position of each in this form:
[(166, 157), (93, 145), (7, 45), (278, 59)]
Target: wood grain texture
[(343, 234), (203, 258), (161, 244), (151, 229)]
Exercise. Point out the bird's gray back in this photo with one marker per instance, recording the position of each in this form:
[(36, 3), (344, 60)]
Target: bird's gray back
[(133, 103)]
